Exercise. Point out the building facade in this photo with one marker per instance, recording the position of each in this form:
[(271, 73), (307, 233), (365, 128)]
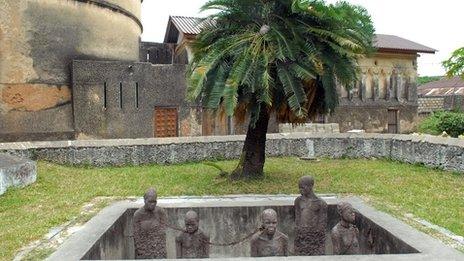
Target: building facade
[(65, 73), (383, 101), (39, 39)]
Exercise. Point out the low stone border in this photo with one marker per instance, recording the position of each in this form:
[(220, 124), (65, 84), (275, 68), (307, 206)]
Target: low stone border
[(444, 153)]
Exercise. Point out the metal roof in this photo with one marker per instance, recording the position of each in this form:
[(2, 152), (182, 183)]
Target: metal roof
[(187, 25), (443, 87), (384, 42)]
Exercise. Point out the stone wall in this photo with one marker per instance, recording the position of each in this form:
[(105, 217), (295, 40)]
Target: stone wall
[(310, 128), (117, 99), (428, 104), (444, 153), (161, 53), (373, 116), (38, 41)]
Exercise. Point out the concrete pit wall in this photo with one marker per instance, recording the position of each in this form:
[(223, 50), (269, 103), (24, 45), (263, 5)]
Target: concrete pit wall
[(118, 243), (444, 153), (38, 41), (229, 218)]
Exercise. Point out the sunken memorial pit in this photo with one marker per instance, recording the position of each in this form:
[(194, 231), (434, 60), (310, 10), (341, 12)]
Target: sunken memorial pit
[(249, 226)]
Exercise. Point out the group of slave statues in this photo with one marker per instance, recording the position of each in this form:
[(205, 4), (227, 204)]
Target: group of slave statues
[(150, 224)]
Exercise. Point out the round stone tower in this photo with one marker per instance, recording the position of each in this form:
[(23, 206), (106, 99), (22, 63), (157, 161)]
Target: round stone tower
[(38, 41)]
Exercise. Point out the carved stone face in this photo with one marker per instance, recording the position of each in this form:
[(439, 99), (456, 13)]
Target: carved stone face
[(191, 225), (306, 185), (270, 222), (192, 222), (305, 189), (150, 203), (349, 215)]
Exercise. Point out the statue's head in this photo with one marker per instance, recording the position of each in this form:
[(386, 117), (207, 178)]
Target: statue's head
[(346, 211), (192, 221), (150, 199), (306, 185), (269, 221)]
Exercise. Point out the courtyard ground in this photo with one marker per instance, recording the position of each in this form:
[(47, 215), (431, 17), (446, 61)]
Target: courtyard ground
[(61, 191)]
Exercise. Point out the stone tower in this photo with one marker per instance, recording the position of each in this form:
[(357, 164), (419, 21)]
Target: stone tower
[(38, 41)]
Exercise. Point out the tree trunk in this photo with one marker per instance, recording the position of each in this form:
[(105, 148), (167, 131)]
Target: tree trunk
[(253, 154)]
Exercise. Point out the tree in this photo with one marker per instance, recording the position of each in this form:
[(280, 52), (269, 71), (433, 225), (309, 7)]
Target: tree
[(426, 79), (256, 57), (455, 64)]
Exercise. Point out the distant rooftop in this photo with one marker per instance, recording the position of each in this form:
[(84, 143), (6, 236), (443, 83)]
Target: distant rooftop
[(443, 87), (395, 43), (191, 26)]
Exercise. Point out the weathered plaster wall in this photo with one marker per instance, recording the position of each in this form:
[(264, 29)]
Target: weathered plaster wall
[(38, 41), (387, 82), (374, 117), (444, 153), (127, 115)]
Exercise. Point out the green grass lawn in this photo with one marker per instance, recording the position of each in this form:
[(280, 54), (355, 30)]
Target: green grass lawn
[(61, 191)]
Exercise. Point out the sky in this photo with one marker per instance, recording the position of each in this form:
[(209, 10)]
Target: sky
[(437, 24)]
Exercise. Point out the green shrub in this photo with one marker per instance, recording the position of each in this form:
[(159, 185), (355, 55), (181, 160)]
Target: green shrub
[(430, 125), (450, 122)]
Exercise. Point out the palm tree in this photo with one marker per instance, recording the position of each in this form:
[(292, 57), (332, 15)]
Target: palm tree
[(259, 57)]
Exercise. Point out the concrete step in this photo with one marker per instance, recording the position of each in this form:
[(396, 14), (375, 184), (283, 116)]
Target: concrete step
[(16, 172)]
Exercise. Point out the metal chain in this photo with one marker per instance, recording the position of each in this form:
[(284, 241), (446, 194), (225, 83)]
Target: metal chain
[(233, 243), (217, 244)]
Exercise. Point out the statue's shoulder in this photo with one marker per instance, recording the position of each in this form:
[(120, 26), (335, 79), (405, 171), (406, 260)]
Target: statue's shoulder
[(139, 212), (255, 237), (160, 211), (180, 237), (202, 235)]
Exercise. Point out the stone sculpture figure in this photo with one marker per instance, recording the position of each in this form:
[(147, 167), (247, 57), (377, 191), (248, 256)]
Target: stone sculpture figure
[(149, 229), (192, 243), (345, 235), (270, 241), (310, 220)]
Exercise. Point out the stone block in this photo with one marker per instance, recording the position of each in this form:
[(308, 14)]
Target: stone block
[(16, 172)]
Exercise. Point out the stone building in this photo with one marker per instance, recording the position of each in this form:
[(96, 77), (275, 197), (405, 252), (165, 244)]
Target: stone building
[(66, 73), (385, 99), (39, 39)]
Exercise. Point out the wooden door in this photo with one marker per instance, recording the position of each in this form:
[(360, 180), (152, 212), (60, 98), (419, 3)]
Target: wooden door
[(392, 121), (165, 122)]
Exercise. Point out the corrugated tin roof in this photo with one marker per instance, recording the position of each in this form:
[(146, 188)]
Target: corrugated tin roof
[(443, 87), (188, 25), (192, 26)]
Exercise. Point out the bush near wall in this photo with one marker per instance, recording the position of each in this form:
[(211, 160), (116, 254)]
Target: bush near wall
[(443, 121)]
